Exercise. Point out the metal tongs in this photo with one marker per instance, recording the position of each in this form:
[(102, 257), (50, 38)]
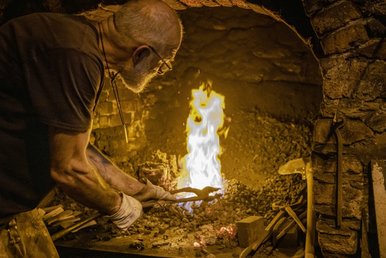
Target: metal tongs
[(201, 195)]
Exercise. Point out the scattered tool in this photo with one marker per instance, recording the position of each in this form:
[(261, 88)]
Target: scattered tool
[(285, 219), (201, 195), (74, 227), (295, 218), (339, 157)]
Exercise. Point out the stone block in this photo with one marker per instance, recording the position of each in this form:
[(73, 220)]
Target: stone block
[(192, 3), (325, 178), (373, 82), (328, 107), (344, 39), (129, 105), (380, 143), (176, 5), (290, 240), (375, 28), (325, 200), (328, 177), (352, 165), (322, 131), (324, 193), (124, 94), (340, 242), (105, 93), (114, 121), (101, 122), (260, 9), (374, 48), (128, 117), (341, 75), (240, 3), (325, 209), (325, 168), (325, 225), (353, 200), (377, 122), (322, 164), (250, 229), (353, 111), (335, 16), (106, 108), (379, 9), (226, 3), (352, 131), (313, 6), (209, 3)]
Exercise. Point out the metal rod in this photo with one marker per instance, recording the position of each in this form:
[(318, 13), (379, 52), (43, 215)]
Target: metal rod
[(339, 176), (64, 232)]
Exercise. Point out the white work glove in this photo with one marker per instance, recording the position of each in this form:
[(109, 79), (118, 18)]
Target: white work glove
[(153, 192), (129, 211), (157, 192)]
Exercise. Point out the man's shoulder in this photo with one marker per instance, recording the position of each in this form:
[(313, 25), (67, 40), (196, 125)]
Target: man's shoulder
[(35, 19), (52, 24), (46, 31)]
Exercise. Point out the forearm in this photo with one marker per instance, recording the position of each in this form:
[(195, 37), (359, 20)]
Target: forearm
[(114, 176), (83, 184), (73, 173)]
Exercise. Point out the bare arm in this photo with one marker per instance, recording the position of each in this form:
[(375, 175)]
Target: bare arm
[(74, 174), (113, 175), (124, 182)]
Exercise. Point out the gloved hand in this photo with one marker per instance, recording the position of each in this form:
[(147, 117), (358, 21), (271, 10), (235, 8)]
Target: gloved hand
[(153, 192), (129, 211)]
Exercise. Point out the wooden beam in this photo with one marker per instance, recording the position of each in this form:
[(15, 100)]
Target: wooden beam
[(378, 173)]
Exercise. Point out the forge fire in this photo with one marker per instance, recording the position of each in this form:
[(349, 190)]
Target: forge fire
[(202, 166)]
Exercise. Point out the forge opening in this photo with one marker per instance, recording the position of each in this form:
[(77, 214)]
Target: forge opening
[(270, 80)]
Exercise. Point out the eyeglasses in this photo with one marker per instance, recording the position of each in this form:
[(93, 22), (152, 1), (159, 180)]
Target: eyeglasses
[(165, 66)]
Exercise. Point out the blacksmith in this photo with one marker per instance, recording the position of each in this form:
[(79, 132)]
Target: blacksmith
[(52, 67)]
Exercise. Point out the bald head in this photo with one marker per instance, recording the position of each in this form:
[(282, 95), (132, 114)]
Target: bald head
[(150, 22)]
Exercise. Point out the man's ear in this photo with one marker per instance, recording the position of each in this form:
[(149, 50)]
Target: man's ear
[(140, 53)]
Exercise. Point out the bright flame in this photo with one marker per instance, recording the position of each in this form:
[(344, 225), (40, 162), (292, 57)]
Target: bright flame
[(201, 166)]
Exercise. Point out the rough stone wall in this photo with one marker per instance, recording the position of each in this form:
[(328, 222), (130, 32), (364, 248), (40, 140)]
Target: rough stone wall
[(354, 87)]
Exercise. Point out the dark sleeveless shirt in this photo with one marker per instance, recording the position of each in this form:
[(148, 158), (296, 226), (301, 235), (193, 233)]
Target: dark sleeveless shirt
[(50, 72)]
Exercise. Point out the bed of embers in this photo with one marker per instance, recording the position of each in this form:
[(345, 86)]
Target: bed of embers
[(205, 229)]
